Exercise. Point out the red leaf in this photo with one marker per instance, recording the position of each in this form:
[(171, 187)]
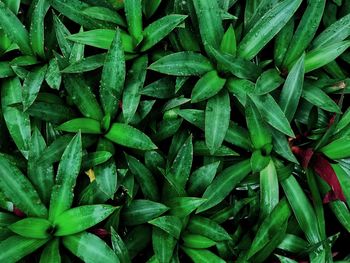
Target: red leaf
[(325, 171)]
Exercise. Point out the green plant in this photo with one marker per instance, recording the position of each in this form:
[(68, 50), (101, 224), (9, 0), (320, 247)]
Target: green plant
[(174, 131)]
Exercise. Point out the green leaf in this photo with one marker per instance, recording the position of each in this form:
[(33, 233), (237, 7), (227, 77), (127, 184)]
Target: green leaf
[(142, 211), (302, 209), (208, 228), (113, 76), (14, 29), (89, 248), (258, 130), (159, 29), (144, 177), (51, 252), (102, 38), (104, 14), (292, 89), (319, 98), (224, 183), (269, 190), (337, 149), (273, 114), (32, 227), (209, 21), (119, 247), (134, 83), (80, 218), (228, 42), (86, 64), (16, 247), (36, 35), (182, 64), (84, 125), (323, 55), (41, 175), (170, 224), (336, 32), (163, 244), (217, 118), (183, 206), (207, 86), (197, 241), (305, 31), (266, 28), (201, 178), (129, 136), (19, 190), (202, 255), (31, 86), (68, 170), (133, 13), (17, 122), (53, 76), (268, 81)]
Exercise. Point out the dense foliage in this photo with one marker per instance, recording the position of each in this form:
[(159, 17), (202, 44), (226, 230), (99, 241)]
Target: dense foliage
[(174, 131)]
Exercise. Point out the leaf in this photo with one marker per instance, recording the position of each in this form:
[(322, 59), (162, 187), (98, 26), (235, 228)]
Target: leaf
[(161, 89), (31, 86), (208, 228), (141, 211), (53, 76), (201, 178), (113, 76), (32, 227), (217, 118), (159, 29), (104, 14), (181, 166), (14, 29), (133, 13), (183, 206), (19, 190), (16, 247), (336, 32), (119, 247), (267, 82), (182, 64), (207, 86), (197, 241), (41, 175), (269, 190), (170, 224), (17, 122), (102, 38), (89, 248), (273, 114), (258, 130), (337, 149), (144, 177), (319, 98), (84, 125), (323, 55), (202, 255), (266, 28), (302, 209), (129, 136), (51, 252), (305, 31), (292, 89), (209, 21), (163, 244), (224, 183), (228, 42), (68, 170), (36, 34), (134, 83), (138, 239), (86, 64), (81, 218)]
